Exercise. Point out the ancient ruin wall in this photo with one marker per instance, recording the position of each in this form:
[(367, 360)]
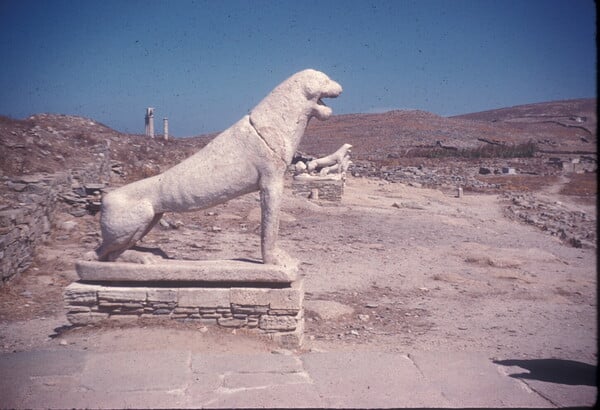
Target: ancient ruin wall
[(28, 208), (29, 220)]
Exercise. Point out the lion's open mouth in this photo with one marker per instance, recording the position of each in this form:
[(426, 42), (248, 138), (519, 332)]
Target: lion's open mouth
[(320, 102)]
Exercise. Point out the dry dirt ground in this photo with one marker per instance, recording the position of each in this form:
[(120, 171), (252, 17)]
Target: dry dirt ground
[(390, 268)]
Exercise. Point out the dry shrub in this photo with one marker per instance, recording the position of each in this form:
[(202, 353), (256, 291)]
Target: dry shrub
[(524, 150)]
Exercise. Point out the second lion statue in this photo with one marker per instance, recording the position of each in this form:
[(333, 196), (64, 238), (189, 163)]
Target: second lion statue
[(251, 155)]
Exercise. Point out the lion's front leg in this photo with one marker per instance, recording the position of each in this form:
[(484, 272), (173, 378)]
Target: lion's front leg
[(271, 192)]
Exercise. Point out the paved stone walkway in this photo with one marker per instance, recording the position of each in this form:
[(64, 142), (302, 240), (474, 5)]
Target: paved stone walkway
[(185, 379)]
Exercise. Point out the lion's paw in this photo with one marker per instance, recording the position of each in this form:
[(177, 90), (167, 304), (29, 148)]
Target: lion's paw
[(90, 256), (144, 258), (278, 257)]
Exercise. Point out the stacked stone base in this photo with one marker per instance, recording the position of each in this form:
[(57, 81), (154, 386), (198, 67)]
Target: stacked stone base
[(327, 189), (275, 312)]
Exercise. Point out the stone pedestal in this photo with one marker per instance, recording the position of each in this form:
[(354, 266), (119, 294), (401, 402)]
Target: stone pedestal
[(328, 188), (270, 304)]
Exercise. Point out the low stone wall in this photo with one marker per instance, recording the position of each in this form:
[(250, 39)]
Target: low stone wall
[(327, 190), (28, 206), (274, 312), (28, 221), (575, 228)]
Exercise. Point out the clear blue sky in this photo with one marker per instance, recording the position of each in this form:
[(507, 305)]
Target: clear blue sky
[(204, 64)]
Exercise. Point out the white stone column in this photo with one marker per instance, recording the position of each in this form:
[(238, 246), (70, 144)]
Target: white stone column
[(150, 122), (166, 128)]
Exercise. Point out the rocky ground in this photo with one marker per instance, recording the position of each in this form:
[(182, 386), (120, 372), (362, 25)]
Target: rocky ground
[(402, 263), (392, 266)]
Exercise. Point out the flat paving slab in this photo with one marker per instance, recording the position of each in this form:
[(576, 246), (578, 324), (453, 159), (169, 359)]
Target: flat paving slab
[(564, 383), (371, 379), (184, 378), (471, 379), (229, 270), (20, 372), (152, 370)]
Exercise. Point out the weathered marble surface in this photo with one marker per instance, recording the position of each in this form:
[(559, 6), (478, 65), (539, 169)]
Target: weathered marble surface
[(181, 270), (337, 161), (252, 155)]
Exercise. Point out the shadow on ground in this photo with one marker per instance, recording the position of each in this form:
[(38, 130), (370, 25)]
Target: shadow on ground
[(559, 371)]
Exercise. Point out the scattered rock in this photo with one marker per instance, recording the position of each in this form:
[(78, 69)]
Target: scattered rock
[(573, 227), (326, 309)]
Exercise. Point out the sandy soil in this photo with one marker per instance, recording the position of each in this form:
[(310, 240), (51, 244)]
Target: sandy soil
[(391, 268)]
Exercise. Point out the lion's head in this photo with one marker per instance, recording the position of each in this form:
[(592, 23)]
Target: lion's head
[(317, 86), (282, 116)]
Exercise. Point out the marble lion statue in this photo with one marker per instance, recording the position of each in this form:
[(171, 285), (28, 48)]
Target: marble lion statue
[(337, 158), (251, 155)]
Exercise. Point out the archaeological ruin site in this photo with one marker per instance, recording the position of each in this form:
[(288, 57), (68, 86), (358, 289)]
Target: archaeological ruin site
[(322, 244)]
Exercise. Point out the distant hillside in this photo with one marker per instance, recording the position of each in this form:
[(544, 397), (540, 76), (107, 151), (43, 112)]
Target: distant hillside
[(55, 142), (554, 126), (552, 117), (579, 113), (52, 142)]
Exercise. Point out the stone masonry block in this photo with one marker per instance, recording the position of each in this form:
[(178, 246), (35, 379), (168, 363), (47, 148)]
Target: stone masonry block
[(78, 294), (280, 323), (250, 310), (157, 305), (79, 309), (110, 305), (231, 322), (162, 295), (285, 298), (283, 312), (79, 318), (208, 298), (86, 318), (118, 294), (132, 305), (185, 310), (123, 319), (289, 340)]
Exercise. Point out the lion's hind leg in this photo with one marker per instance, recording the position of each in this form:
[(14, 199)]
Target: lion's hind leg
[(151, 225), (112, 247), (122, 230)]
